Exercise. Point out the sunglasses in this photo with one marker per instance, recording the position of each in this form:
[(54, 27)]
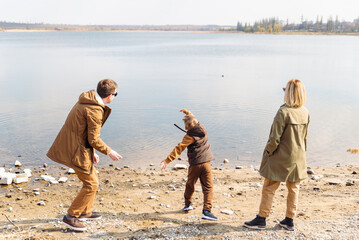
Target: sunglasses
[(115, 94)]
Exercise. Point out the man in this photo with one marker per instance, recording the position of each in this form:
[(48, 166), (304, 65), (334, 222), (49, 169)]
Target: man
[(75, 147)]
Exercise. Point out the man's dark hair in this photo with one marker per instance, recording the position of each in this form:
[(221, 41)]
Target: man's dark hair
[(106, 87)]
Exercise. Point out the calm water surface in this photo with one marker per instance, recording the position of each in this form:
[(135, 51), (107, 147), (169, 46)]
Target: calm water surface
[(42, 75)]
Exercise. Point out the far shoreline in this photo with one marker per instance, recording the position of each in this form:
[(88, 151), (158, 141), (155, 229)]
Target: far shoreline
[(179, 31)]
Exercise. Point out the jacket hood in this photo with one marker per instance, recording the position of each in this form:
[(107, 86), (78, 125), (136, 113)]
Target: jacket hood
[(89, 98)]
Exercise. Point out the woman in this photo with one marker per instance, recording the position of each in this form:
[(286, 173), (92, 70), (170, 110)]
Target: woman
[(284, 155)]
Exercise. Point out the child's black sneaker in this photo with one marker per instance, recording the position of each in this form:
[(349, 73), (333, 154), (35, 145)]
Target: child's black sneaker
[(287, 223), (188, 207), (257, 223), (208, 215)]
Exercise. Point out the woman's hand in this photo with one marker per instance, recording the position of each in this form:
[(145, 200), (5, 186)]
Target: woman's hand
[(114, 155), (96, 158)]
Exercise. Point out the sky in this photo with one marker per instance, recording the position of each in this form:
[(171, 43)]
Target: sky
[(172, 12)]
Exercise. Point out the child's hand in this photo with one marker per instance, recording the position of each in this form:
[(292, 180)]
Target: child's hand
[(185, 111), (163, 165)]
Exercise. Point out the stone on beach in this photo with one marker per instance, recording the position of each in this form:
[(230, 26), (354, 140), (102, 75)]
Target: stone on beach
[(41, 203), (18, 163), (7, 178), (70, 171), (239, 167), (310, 171), (28, 172), (333, 181), (225, 161), (317, 177), (62, 179), (179, 166), (21, 178), (53, 181), (227, 211), (47, 178), (350, 183)]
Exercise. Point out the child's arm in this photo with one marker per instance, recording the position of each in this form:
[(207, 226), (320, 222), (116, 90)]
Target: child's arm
[(187, 140), (185, 111)]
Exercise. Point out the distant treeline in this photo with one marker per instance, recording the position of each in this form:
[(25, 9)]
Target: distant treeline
[(274, 25), (6, 26)]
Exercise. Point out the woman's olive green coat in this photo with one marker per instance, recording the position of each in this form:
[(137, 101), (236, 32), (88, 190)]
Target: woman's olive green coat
[(284, 155), (80, 135)]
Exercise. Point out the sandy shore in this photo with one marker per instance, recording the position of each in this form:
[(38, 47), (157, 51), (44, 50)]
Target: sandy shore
[(328, 207)]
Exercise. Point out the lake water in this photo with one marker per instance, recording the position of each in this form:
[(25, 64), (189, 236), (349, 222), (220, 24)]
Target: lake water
[(231, 82)]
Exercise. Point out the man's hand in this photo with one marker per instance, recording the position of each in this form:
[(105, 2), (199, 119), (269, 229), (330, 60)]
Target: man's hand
[(114, 155), (96, 158), (163, 165)]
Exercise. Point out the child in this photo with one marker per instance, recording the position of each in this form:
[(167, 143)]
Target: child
[(199, 157)]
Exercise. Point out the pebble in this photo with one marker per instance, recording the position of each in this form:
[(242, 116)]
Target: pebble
[(301, 214), (317, 177), (47, 178), (62, 179), (18, 163), (9, 209), (54, 181), (239, 167), (41, 203), (179, 166), (36, 193), (225, 161), (257, 185), (45, 165), (333, 181), (310, 171), (227, 211), (350, 183), (7, 178), (125, 166), (28, 172), (152, 197), (151, 164), (70, 171)]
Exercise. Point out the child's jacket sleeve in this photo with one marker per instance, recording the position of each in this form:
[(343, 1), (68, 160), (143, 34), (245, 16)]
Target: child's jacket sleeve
[(187, 140), (187, 112)]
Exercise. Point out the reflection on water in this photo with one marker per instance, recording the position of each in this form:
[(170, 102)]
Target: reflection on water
[(231, 82)]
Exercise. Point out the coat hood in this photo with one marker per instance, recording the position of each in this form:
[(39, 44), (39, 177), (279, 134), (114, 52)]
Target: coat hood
[(89, 98)]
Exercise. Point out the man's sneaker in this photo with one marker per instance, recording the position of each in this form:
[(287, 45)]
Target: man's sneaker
[(74, 223), (208, 215), (287, 223), (90, 216), (257, 223), (188, 207)]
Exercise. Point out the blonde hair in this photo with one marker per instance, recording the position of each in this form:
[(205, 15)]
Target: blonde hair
[(189, 121), (294, 95)]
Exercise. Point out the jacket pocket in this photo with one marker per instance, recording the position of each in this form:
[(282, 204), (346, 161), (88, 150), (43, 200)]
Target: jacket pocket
[(82, 158)]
